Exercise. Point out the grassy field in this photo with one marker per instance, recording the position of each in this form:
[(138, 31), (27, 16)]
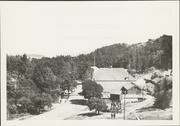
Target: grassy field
[(151, 113)]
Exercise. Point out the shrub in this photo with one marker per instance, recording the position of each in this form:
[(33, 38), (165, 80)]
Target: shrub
[(163, 99), (40, 101), (24, 104), (55, 94), (47, 100), (12, 108), (97, 104), (163, 95)]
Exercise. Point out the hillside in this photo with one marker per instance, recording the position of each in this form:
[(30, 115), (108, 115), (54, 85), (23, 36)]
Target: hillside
[(139, 57)]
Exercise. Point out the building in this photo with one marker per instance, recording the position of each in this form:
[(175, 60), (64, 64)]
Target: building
[(113, 79)]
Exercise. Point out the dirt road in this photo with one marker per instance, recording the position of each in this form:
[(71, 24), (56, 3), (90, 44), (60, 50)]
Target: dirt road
[(76, 106), (73, 106)]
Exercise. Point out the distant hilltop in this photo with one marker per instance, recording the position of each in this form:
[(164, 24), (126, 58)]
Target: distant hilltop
[(34, 56)]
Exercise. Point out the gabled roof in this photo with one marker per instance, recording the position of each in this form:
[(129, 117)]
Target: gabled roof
[(117, 74), (109, 86), (117, 90)]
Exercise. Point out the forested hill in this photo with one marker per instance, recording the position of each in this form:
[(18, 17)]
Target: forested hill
[(138, 57)]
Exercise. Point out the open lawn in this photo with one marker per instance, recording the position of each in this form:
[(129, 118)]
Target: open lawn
[(151, 113)]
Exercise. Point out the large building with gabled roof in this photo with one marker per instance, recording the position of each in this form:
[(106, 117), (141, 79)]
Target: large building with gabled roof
[(113, 79)]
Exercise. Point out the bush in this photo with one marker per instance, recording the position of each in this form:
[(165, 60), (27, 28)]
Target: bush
[(12, 109), (163, 95), (55, 94), (163, 99), (47, 100), (91, 89), (24, 104), (13, 116), (97, 104), (40, 101)]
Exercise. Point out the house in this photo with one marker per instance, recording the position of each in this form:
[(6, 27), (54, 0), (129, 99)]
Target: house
[(113, 79)]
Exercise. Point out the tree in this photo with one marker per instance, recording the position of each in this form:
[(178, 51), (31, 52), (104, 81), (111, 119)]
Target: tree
[(44, 77), (24, 58), (163, 94), (91, 89), (97, 104), (67, 78)]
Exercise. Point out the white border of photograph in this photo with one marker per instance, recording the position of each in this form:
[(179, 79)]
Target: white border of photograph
[(175, 35)]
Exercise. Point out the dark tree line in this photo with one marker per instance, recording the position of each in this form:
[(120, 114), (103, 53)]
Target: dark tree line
[(153, 53)]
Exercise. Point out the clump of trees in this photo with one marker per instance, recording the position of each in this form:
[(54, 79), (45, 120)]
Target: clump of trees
[(93, 92), (34, 84), (163, 94)]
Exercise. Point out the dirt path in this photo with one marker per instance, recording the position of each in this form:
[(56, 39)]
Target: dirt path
[(130, 109), (149, 101), (73, 106)]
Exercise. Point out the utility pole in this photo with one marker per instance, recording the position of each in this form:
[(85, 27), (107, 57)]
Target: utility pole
[(124, 104), (94, 60), (124, 91)]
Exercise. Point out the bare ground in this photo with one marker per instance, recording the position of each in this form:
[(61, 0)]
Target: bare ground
[(75, 108)]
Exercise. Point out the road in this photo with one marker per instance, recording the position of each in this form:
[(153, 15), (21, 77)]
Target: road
[(149, 100), (75, 105), (65, 110)]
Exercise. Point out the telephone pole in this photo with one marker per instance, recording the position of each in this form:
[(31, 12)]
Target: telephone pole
[(124, 104), (94, 60)]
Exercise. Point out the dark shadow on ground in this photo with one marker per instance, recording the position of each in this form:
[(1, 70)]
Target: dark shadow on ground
[(79, 101), (90, 114)]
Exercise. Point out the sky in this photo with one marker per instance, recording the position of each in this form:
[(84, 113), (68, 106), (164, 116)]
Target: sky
[(73, 28)]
